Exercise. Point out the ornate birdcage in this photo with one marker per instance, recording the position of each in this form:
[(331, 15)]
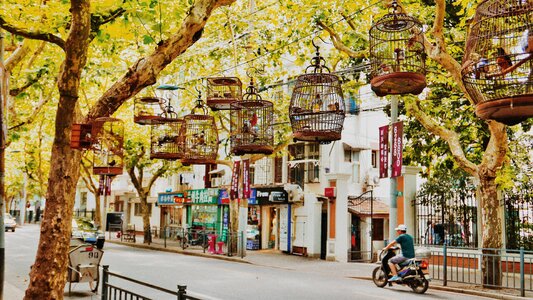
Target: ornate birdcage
[(108, 155), (166, 139), (317, 108), (497, 65), (201, 136), (397, 54), (222, 91), (148, 110), (251, 124)]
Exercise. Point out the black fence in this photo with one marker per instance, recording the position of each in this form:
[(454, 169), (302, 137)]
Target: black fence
[(84, 213), (135, 289), (519, 219)]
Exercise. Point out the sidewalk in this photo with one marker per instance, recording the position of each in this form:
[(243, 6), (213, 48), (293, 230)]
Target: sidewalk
[(277, 259)]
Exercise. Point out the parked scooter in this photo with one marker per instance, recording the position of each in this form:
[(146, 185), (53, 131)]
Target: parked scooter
[(413, 272)]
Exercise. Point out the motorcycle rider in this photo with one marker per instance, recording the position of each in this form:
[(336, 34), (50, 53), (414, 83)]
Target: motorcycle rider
[(408, 250)]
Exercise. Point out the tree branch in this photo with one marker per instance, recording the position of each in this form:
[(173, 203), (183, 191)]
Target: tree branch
[(35, 113), (16, 57), (34, 35), (339, 45), (16, 91), (412, 105), (98, 20), (157, 174)]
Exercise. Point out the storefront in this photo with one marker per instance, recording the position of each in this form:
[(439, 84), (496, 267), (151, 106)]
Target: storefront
[(171, 209), (208, 209), (270, 218)]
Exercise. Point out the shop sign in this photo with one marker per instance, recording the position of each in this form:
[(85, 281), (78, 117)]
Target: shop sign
[(253, 197), (234, 192), (271, 195), (223, 196), (330, 192), (203, 196), (396, 149), (383, 151), (246, 178), (170, 198)]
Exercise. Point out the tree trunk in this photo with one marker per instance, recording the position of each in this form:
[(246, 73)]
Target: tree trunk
[(234, 225), (146, 219), (491, 218)]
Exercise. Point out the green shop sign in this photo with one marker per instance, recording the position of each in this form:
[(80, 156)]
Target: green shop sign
[(203, 196)]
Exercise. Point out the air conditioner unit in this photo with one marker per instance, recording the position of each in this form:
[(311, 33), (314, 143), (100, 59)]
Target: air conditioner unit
[(372, 179)]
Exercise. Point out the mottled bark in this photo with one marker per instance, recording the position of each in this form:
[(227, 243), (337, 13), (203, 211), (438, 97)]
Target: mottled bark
[(48, 274)]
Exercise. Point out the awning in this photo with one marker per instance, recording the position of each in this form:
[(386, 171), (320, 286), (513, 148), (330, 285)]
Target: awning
[(218, 171), (354, 142), (361, 207)]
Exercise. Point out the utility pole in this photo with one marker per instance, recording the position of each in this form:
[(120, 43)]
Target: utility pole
[(3, 129), (393, 216)]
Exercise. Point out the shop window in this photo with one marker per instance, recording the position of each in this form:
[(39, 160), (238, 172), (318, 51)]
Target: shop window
[(204, 216), (138, 211), (378, 233)]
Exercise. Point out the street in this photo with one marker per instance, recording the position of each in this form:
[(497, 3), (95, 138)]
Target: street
[(208, 278)]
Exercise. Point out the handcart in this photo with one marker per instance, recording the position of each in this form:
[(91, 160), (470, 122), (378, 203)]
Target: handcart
[(84, 261)]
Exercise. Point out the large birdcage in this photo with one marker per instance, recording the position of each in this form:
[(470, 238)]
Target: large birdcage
[(108, 155), (201, 136), (222, 91), (251, 124), (397, 55), (497, 65), (166, 140), (148, 110), (317, 109)]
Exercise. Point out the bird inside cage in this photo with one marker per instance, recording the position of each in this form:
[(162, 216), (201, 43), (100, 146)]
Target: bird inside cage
[(503, 60)]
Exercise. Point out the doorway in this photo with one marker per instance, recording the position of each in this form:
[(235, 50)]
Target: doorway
[(355, 238)]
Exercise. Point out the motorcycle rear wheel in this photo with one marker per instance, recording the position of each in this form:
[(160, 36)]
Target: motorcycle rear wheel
[(420, 286), (379, 277)]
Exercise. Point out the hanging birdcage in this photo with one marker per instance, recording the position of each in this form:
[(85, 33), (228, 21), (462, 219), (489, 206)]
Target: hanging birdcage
[(222, 91), (148, 110), (167, 141), (397, 55), (108, 155), (317, 108), (497, 65), (81, 136), (251, 124), (201, 137)]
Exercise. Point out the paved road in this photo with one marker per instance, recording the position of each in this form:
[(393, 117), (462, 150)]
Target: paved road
[(208, 278)]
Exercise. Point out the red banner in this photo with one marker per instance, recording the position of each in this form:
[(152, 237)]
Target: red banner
[(397, 149), (101, 185), (383, 151), (246, 179), (234, 191)]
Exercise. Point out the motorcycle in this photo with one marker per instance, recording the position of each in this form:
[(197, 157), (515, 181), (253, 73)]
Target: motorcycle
[(413, 272)]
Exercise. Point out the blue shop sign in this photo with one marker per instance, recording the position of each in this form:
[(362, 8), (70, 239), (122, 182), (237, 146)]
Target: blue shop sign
[(170, 198), (253, 198)]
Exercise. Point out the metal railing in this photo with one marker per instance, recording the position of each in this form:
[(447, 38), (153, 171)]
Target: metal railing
[(111, 291), (206, 240), (505, 268)]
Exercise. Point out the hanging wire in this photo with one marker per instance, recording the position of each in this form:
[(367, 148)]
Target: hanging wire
[(267, 53)]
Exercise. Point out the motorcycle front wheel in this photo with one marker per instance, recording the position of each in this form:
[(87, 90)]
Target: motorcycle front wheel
[(379, 277), (420, 286)]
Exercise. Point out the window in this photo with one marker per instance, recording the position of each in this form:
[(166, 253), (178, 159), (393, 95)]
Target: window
[(374, 158), (307, 171), (348, 155), (377, 230), (251, 174), (356, 166), (278, 170), (138, 209)]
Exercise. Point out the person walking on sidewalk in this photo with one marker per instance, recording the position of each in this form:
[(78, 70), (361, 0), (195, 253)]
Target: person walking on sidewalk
[(408, 250)]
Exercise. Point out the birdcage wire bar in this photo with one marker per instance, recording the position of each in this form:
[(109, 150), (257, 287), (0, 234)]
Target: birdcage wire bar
[(222, 91), (147, 110), (497, 65), (397, 56), (317, 108), (201, 139), (251, 127), (166, 139), (108, 155)]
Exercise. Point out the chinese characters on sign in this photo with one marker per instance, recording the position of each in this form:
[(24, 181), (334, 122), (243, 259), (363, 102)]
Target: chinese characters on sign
[(246, 178), (234, 191), (383, 151), (396, 149)]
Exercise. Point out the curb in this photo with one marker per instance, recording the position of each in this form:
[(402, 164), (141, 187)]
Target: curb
[(462, 291), (185, 252)]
